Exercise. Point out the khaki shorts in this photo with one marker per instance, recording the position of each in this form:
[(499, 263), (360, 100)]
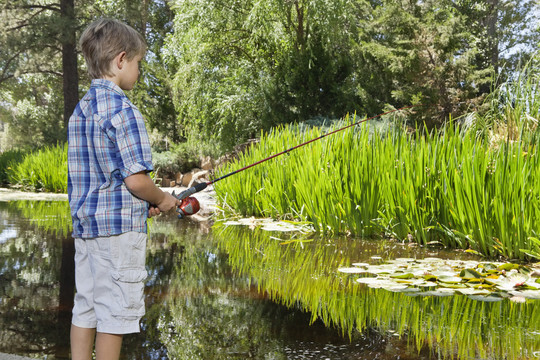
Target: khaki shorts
[(109, 275)]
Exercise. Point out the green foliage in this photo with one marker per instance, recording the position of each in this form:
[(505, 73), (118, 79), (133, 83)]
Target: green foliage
[(44, 170), (252, 65), (7, 158), (33, 110), (225, 70), (255, 64), (442, 186), (511, 111), (182, 157)]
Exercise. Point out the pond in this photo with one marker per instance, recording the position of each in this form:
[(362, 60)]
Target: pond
[(240, 292)]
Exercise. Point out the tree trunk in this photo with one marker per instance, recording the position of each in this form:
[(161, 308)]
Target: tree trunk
[(69, 59), (493, 38)]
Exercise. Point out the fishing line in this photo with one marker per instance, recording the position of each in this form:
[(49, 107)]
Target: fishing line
[(191, 205)]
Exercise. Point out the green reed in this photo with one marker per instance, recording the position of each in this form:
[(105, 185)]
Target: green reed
[(303, 273), (447, 187), (44, 170)]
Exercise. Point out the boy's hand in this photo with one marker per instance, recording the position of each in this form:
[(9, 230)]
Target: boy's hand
[(153, 211), (168, 203), (142, 186)]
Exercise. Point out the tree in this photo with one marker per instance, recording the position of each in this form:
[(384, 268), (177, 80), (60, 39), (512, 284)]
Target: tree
[(505, 32), (418, 52), (249, 65), (40, 69), (246, 66), (39, 39)]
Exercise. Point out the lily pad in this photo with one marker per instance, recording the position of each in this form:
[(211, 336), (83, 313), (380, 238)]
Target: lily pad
[(402, 276), (472, 291), (361, 264), (527, 294), (470, 274), (488, 298), (450, 279)]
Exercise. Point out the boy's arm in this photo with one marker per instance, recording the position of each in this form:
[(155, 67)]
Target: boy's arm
[(142, 186)]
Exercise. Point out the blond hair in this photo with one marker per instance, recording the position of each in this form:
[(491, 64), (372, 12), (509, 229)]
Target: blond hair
[(103, 40)]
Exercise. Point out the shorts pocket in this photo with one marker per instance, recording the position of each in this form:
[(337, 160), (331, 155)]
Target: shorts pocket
[(128, 293)]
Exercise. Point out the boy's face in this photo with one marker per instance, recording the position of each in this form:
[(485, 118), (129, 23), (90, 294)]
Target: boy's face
[(129, 74)]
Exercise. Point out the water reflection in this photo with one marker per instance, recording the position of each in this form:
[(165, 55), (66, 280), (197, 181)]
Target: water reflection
[(303, 273), (230, 293)]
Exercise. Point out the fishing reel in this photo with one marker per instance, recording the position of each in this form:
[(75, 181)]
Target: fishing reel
[(189, 206)]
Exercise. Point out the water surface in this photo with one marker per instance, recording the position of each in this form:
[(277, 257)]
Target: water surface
[(236, 293)]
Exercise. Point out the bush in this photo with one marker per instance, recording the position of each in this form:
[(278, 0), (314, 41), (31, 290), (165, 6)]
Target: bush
[(183, 157), (7, 159)]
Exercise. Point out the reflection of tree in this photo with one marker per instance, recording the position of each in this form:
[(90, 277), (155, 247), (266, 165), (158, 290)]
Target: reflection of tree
[(215, 320), (304, 273)]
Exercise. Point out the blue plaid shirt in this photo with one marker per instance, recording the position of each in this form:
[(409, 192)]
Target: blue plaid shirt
[(107, 142)]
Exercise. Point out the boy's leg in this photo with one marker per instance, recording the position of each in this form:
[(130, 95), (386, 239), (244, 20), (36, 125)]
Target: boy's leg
[(108, 346), (83, 326), (82, 342)]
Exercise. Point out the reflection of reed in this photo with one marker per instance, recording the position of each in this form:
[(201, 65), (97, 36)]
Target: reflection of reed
[(50, 216), (305, 275)]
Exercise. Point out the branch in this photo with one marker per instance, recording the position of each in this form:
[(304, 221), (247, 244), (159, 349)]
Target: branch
[(26, 22), (52, 7), (5, 78)]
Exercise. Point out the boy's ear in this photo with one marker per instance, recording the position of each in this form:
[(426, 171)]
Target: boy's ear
[(120, 59)]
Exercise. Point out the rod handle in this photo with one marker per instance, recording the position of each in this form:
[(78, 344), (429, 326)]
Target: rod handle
[(192, 190)]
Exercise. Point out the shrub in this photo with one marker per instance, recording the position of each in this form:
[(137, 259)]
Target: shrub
[(7, 158)]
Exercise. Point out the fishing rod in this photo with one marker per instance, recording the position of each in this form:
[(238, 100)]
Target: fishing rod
[(190, 205)]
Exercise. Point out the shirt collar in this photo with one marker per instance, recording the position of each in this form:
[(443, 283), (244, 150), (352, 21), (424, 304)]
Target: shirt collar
[(107, 84)]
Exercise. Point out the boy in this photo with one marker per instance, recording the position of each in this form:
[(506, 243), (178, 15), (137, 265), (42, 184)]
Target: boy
[(109, 194)]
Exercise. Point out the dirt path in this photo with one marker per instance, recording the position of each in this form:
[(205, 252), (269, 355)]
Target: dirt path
[(206, 198), (12, 195), (13, 357)]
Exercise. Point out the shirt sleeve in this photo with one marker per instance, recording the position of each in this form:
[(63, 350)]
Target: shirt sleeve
[(133, 142)]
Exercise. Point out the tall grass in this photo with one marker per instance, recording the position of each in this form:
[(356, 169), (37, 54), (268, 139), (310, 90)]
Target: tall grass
[(446, 187), (44, 170)]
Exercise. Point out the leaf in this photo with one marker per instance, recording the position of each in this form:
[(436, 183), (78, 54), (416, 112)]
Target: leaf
[(352, 270), (361, 264), (471, 291), (402, 276), (528, 294), (508, 266), (450, 279), (470, 274)]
